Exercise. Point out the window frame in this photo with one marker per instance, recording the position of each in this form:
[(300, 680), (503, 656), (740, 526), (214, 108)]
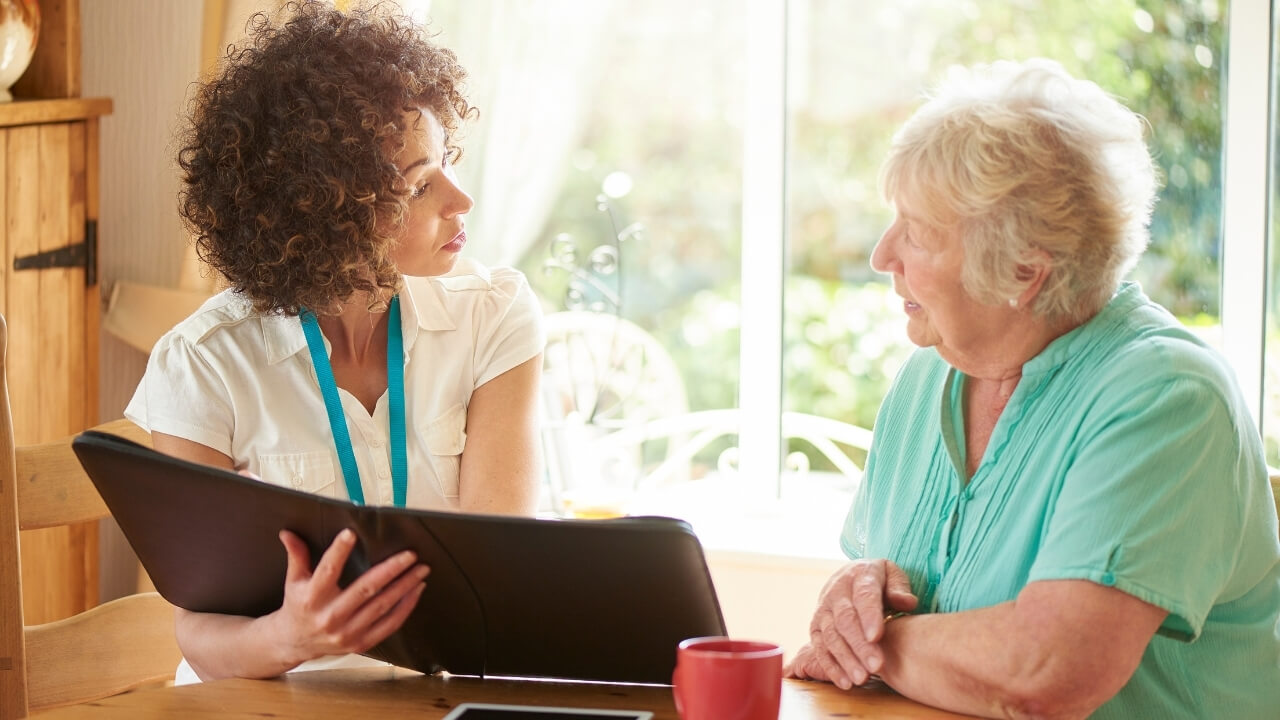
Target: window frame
[(1246, 193), (764, 246), (1246, 190)]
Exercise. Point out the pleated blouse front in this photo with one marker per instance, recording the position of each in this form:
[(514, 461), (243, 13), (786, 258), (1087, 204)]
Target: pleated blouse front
[(1127, 457)]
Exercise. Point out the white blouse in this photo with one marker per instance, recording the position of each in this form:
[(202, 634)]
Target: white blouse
[(243, 384)]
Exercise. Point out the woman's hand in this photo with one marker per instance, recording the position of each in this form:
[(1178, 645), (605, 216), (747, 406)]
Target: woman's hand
[(805, 666), (845, 633), (318, 618)]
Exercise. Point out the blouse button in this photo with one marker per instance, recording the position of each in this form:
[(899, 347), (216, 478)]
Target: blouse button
[(297, 480)]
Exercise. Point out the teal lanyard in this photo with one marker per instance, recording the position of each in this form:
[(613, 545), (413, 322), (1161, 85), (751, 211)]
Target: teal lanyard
[(338, 420)]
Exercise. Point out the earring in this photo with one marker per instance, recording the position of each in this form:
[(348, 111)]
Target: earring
[(1013, 302)]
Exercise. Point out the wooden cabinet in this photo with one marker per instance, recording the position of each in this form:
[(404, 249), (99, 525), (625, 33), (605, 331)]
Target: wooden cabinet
[(48, 288), (49, 296)]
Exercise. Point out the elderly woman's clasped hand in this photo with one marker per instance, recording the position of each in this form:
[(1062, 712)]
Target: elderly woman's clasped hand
[(847, 627)]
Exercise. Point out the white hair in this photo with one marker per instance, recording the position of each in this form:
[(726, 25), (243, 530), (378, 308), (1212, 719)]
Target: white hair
[(1031, 167)]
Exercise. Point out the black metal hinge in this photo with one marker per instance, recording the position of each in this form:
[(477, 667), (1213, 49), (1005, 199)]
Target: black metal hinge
[(84, 254)]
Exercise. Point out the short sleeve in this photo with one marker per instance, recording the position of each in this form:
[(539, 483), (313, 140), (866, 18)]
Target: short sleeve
[(853, 540), (511, 329), (182, 395), (1151, 505), (903, 413)]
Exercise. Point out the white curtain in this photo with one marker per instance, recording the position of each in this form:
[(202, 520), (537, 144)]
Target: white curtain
[(532, 67)]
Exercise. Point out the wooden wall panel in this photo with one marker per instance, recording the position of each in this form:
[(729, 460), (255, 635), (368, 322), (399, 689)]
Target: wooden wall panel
[(23, 224), (4, 225), (82, 368), (55, 285), (77, 360), (47, 347), (23, 366), (92, 301)]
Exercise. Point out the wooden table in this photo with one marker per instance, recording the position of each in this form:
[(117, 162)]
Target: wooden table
[(393, 693)]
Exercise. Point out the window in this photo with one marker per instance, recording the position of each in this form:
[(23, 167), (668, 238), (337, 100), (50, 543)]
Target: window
[(1164, 59), (608, 166), (735, 147)]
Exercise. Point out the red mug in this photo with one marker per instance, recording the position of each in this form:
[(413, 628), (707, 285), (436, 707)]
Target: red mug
[(721, 679)]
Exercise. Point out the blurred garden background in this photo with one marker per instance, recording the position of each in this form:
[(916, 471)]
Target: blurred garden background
[(647, 115)]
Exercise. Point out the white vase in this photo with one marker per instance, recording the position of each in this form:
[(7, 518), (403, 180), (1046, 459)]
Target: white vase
[(19, 30)]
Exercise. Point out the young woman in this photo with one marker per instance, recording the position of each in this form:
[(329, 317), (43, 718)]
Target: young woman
[(354, 355)]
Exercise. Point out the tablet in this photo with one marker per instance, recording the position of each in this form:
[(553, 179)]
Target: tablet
[(481, 711)]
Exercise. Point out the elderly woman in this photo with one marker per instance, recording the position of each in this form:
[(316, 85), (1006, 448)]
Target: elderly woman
[(1066, 508), (355, 355)]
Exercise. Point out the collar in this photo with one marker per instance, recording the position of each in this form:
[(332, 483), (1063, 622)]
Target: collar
[(282, 336), (1127, 297), (422, 308)]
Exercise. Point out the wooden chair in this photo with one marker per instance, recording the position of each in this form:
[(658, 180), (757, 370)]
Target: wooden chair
[(108, 649), (610, 389)]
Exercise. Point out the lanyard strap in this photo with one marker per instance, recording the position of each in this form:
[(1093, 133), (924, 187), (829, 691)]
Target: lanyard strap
[(338, 419)]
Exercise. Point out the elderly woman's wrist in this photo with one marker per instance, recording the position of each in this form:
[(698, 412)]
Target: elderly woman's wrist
[(890, 648)]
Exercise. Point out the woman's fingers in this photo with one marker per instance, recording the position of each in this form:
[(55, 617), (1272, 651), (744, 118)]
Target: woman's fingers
[(805, 666), (329, 569), (382, 603), (898, 593), (830, 651), (323, 619), (382, 615), (298, 558), (867, 598), (847, 629), (795, 668), (834, 660), (842, 639), (391, 621), (371, 583), (845, 634), (821, 658)]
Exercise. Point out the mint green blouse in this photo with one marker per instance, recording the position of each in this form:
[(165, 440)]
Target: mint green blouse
[(1126, 457)]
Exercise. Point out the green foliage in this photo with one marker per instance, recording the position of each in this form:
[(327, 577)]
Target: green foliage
[(1157, 72), (843, 343), (665, 116)]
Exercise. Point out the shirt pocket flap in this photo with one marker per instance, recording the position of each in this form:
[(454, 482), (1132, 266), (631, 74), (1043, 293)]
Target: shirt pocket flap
[(310, 472), (447, 434)]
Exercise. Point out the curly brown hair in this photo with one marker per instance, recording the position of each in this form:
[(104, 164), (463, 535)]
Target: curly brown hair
[(289, 182)]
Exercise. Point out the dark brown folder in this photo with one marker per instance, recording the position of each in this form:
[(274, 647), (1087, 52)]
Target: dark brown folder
[(604, 600)]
